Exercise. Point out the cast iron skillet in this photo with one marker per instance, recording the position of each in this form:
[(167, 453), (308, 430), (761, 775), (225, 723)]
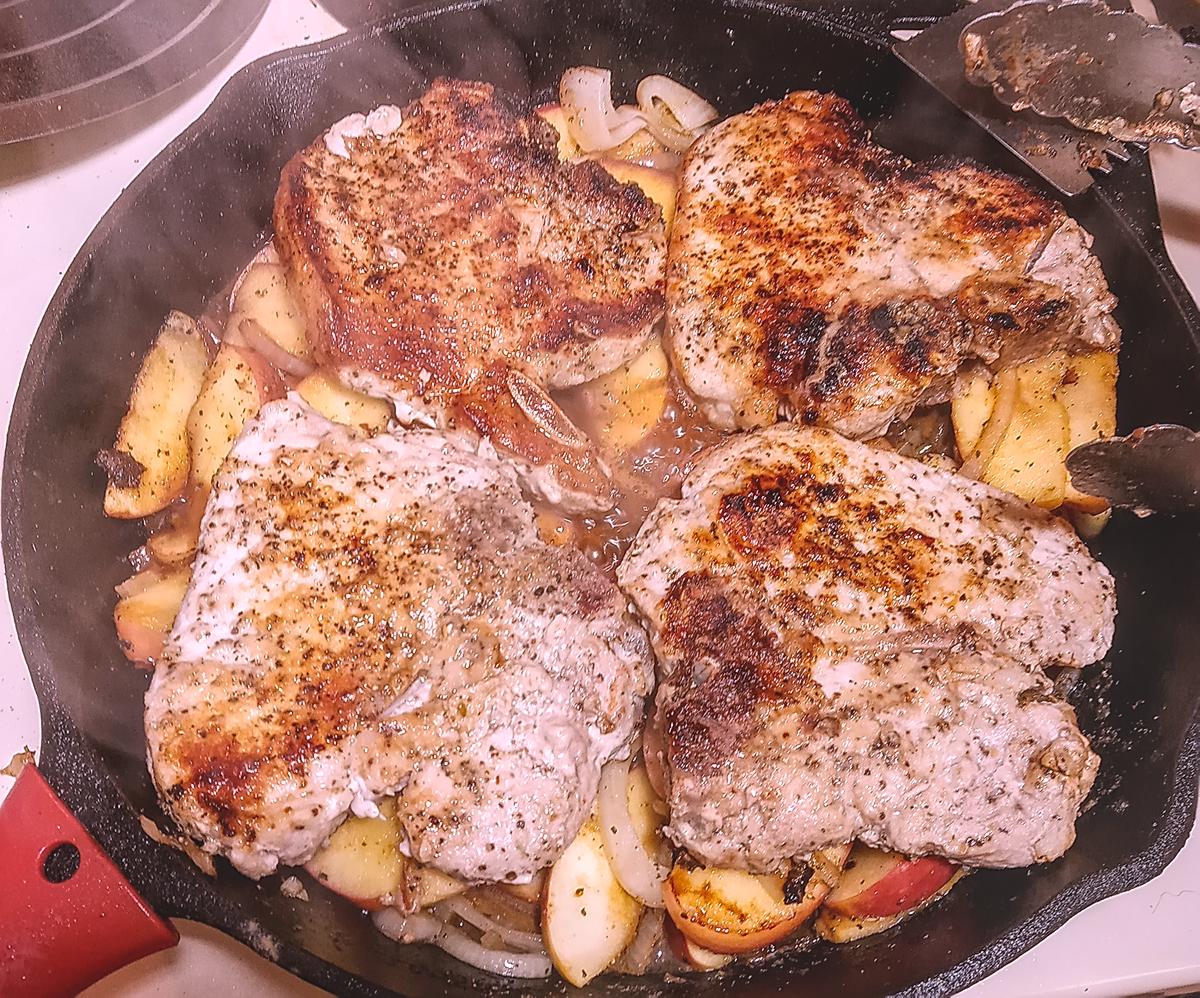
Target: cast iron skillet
[(197, 213)]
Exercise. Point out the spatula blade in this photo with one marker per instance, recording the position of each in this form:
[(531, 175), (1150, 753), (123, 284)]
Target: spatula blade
[(1057, 151)]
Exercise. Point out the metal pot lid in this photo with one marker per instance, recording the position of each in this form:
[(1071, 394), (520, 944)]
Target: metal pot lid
[(64, 64)]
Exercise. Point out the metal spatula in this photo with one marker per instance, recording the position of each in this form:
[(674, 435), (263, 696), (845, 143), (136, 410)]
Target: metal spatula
[(1008, 47), (1153, 470), (1056, 149), (1106, 71)]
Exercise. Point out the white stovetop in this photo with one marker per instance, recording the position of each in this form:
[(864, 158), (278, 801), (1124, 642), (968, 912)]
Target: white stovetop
[(52, 193)]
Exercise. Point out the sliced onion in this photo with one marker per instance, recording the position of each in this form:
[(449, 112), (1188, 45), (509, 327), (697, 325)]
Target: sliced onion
[(639, 953), (514, 938), (416, 927), (687, 107), (494, 898), (639, 873), (259, 339), (585, 93), (1003, 410), (421, 927), (675, 115), (462, 947)]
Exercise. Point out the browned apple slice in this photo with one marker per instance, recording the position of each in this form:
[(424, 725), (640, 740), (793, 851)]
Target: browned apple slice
[(362, 859), (235, 388), (837, 928), (587, 918), (176, 545), (730, 911), (876, 884), (148, 466), (148, 605)]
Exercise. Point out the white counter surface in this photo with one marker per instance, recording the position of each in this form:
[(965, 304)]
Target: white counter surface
[(52, 193)]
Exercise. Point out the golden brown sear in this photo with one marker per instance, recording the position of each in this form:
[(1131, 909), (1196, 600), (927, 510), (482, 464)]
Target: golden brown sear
[(445, 256), (815, 275), (849, 646)]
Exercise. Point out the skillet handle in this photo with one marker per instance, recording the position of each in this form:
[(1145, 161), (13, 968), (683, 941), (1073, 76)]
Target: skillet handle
[(68, 917)]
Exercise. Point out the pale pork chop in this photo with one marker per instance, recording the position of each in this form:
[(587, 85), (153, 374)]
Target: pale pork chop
[(445, 257), (848, 645), (379, 616), (815, 275)]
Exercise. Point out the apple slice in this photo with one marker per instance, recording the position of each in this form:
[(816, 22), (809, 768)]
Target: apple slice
[(1030, 460), (1089, 394), (152, 436), (970, 410), (424, 886), (621, 407), (646, 812), (660, 186), (876, 884), (695, 956), (335, 401), (587, 919), (263, 295), (556, 118), (531, 893), (641, 147), (838, 928), (235, 388), (176, 545), (148, 605), (362, 860)]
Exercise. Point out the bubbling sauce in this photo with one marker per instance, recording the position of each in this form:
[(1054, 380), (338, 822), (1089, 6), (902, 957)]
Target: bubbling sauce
[(653, 469)]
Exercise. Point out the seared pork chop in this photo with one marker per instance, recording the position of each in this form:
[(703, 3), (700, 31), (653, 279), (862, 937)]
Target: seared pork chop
[(379, 616), (848, 643), (446, 258), (815, 275)]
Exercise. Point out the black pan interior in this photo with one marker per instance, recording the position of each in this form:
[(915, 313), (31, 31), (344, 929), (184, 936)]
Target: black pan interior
[(196, 215)]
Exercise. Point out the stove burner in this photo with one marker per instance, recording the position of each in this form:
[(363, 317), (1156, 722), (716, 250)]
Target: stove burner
[(63, 64)]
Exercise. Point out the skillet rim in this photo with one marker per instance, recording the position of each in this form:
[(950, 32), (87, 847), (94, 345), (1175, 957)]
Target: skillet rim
[(92, 792)]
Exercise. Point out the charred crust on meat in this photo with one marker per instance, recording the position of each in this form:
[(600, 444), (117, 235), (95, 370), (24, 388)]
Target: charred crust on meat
[(816, 268), (790, 332), (728, 665)]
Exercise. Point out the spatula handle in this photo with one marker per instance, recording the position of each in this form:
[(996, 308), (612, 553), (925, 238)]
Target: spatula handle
[(67, 915)]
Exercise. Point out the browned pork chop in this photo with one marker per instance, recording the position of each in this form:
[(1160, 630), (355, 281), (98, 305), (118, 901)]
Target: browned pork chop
[(378, 617), (446, 258), (813, 274), (847, 644)]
